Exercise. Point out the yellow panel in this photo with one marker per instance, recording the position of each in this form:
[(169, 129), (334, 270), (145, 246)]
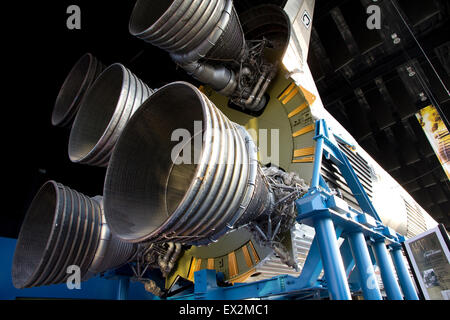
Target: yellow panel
[(290, 95), (195, 266), (298, 110), (308, 96), (254, 253), (303, 152), (198, 265), (232, 265), (210, 264), (304, 160), (191, 269), (241, 278), (247, 257), (287, 91), (304, 130)]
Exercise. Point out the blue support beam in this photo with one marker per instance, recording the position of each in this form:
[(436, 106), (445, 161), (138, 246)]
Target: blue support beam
[(326, 144), (347, 257), (122, 290), (324, 211), (318, 153), (384, 262), (331, 259), (364, 266), (403, 275), (313, 265)]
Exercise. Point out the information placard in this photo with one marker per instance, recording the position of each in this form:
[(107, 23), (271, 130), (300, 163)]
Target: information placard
[(430, 258)]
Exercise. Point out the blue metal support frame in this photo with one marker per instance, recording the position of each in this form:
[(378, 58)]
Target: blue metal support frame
[(368, 281), (122, 290), (319, 207), (403, 275), (331, 258), (387, 271), (347, 257), (313, 265)]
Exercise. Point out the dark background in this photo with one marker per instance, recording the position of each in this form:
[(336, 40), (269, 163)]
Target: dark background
[(39, 51)]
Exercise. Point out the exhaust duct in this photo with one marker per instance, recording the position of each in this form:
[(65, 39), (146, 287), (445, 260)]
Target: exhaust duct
[(107, 107), (74, 88), (152, 196), (63, 228)]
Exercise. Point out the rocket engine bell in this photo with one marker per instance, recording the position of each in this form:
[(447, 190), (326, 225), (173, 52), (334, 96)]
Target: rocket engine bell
[(65, 228), (108, 105), (149, 197), (78, 81), (206, 39)]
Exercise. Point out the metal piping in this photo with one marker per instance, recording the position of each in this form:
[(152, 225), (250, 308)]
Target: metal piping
[(207, 39), (174, 257), (255, 100), (150, 198), (193, 31), (250, 99), (78, 81), (107, 107), (64, 228), (164, 260), (218, 77), (257, 104)]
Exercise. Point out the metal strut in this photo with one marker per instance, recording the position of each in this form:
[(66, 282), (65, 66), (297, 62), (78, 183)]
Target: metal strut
[(326, 213)]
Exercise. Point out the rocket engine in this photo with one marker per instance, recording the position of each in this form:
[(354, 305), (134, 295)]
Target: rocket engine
[(184, 183), (207, 39)]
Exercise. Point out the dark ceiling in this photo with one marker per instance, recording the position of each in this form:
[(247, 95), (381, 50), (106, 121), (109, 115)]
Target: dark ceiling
[(360, 75), (374, 84)]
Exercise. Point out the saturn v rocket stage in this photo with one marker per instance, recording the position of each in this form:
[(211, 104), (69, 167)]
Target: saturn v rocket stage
[(211, 200)]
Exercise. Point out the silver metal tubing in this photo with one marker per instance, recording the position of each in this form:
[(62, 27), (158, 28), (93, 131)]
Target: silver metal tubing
[(218, 77), (107, 107), (175, 256), (255, 89), (260, 100), (150, 198), (64, 228), (78, 81)]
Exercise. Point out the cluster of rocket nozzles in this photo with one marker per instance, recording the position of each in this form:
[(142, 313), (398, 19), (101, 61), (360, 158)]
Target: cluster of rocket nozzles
[(118, 122)]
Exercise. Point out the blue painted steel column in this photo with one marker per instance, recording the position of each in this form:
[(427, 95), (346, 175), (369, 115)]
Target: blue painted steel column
[(122, 290), (403, 275), (331, 259), (317, 163), (387, 271), (369, 284)]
